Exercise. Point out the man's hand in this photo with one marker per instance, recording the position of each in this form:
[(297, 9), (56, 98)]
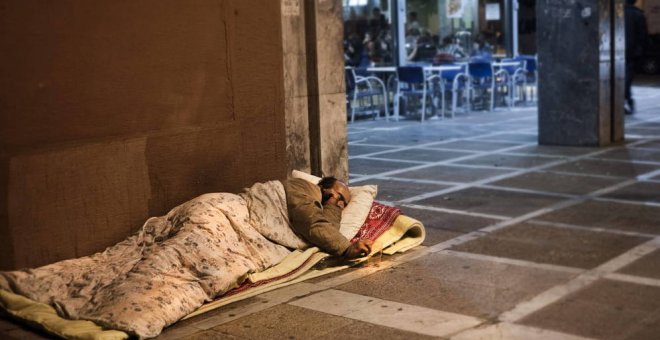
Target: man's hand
[(359, 248)]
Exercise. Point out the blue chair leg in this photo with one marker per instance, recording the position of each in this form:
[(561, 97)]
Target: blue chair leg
[(424, 102), (492, 95)]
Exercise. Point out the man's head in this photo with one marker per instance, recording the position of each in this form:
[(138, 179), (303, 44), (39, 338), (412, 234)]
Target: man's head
[(331, 186), (631, 2)]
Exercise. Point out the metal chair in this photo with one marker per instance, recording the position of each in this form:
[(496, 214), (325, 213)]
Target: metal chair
[(364, 87), (531, 75), (481, 79), (511, 75), (454, 80), (410, 78)]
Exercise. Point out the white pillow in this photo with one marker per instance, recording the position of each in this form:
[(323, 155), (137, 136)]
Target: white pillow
[(356, 212)]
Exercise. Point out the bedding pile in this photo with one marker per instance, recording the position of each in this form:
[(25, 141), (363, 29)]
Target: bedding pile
[(207, 252), (174, 264)]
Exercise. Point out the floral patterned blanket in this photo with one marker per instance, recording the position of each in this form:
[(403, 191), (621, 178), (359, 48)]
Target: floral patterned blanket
[(171, 266)]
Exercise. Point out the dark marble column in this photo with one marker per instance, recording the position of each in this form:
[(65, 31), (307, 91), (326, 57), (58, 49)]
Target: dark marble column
[(580, 54)]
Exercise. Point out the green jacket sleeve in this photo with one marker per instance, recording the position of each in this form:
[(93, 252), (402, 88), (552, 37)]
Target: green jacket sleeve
[(314, 222)]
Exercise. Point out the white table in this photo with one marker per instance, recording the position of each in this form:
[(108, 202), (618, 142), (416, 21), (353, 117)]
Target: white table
[(507, 64), (382, 69), (438, 68)]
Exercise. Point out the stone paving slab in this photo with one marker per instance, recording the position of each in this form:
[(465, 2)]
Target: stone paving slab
[(392, 190), (198, 323), (403, 138), (558, 183), (550, 150), (452, 173), (435, 236), (285, 321), (604, 310), (7, 324), (631, 154), (459, 285), (357, 150), (651, 144), (210, 335), (509, 331), (374, 166), (642, 131), (473, 145), (513, 137), (509, 161), (447, 221), (367, 331), (640, 192), (606, 168), (426, 154), (647, 266), (10, 329), (609, 215), (547, 244), (387, 313), (491, 201)]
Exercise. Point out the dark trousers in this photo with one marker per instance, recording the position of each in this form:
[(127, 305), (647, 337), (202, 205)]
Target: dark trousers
[(630, 72)]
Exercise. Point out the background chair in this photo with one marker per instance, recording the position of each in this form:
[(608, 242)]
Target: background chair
[(531, 76), (511, 75), (412, 81), (364, 87), (481, 80), (453, 80)]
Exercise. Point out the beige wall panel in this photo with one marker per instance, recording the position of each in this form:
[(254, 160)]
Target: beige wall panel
[(297, 134), (198, 83), (76, 201), (330, 36), (186, 165), (295, 85), (334, 146), (85, 69)]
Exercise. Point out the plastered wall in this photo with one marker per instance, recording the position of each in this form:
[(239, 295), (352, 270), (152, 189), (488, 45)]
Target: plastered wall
[(113, 111)]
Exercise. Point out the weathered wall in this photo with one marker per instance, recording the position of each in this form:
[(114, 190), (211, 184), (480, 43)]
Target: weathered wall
[(315, 98), (113, 111), (295, 85), (326, 89)]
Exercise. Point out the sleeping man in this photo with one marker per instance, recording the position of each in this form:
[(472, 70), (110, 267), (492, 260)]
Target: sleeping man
[(315, 213), (195, 253)]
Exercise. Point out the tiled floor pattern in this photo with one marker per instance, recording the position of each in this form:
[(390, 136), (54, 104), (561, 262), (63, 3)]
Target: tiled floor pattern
[(524, 241), (521, 238)]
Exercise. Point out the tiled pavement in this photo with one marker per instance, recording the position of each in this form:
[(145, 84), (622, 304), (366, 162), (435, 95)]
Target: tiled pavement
[(524, 241)]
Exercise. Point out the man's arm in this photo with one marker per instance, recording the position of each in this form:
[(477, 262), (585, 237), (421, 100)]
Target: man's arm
[(317, 224)]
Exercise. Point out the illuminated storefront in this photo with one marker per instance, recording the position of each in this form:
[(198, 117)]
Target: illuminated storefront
[(397, 32)]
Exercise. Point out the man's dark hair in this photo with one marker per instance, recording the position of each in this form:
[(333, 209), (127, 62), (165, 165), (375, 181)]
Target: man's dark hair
[(327, 182), (631, 2)]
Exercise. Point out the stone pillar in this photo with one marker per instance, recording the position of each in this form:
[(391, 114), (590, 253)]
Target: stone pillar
[(295, 85), (581, 65), (325, 86)]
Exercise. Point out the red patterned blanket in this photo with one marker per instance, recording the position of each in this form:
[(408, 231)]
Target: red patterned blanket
[(380, 218)]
